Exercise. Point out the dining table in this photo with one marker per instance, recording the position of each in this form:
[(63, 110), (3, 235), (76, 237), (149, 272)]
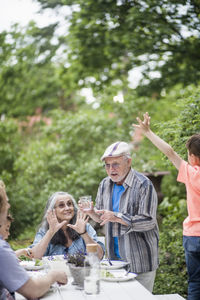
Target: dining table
[(122, 285), (126, 290)]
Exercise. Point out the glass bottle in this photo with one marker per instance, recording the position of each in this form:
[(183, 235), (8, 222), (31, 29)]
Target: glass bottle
[(92, 271)]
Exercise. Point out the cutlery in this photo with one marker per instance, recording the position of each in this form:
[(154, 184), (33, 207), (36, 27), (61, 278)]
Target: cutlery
[(59, 291), (110, 262), (128, 270)]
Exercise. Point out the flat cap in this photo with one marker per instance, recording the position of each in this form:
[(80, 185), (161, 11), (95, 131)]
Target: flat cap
[(117, 149)]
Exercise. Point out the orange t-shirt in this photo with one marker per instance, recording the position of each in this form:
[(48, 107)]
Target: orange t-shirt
[(190, 175)]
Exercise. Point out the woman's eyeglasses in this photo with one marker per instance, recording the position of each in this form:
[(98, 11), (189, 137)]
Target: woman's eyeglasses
[(63, 204)]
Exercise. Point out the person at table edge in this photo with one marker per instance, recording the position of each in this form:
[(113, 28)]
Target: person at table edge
[(126, 203), (14, 277)]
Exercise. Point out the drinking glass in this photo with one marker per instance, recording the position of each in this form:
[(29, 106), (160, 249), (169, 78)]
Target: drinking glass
[(56, 263), (86, 202)]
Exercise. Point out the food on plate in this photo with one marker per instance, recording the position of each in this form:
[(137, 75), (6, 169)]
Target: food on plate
[(38, 262), (117, 275), (35, 264), (103, 264), (105, 273)]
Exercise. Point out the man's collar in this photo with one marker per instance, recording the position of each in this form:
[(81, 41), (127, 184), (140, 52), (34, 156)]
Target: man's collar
[(129, 178)]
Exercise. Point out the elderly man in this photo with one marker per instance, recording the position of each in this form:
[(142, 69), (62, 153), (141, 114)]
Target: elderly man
[(127, 202)]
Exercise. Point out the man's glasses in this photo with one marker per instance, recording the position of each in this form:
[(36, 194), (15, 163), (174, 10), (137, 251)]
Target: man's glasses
[(113, 166), (63, 204)]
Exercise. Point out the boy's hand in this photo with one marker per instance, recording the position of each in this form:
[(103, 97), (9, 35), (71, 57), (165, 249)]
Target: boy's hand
[(143, 125)]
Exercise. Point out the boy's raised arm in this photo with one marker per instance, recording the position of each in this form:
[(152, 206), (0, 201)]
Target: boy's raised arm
[(157, 141)]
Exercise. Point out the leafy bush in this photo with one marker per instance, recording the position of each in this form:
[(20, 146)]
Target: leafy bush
[(171, 275), (9, 146)]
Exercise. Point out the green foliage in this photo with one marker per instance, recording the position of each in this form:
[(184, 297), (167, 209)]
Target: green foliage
[(10, 144), (178, 130), (171, 275), (174, 122), (26, 73), (107, 39), (20, 243), (31, 72)]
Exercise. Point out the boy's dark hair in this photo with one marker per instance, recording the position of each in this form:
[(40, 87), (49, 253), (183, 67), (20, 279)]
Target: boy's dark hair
[(193, 145)]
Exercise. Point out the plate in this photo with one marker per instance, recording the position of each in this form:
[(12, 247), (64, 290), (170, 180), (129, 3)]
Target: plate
[(30, 265), (117, 275), (55, 257), (116, 264)]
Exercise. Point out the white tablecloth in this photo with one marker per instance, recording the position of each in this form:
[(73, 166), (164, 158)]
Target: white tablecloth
[(128, 290)]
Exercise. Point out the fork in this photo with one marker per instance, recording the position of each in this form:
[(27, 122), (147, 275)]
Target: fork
[(127, 271), (59, 291)]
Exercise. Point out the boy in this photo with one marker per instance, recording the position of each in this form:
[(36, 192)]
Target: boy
[(189, 174)]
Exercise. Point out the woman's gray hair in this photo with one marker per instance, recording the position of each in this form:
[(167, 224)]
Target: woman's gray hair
[(51, 205)]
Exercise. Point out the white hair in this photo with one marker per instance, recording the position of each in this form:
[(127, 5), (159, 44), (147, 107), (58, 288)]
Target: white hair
[(51, 204)]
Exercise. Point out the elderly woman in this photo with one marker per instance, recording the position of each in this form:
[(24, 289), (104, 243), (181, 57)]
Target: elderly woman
[(64, 229)]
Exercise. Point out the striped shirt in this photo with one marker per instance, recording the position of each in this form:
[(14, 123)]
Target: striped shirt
[(138, 242)]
